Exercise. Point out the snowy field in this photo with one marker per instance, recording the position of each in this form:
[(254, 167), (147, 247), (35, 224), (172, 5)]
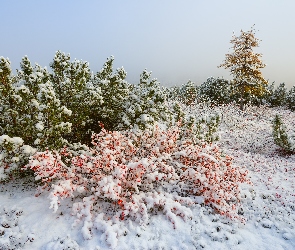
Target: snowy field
[(268, 206)]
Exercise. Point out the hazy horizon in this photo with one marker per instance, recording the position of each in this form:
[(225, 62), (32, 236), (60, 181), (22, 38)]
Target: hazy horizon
[(176, 40)]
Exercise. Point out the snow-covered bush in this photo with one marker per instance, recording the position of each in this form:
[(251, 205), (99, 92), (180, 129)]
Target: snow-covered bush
[(145, 104), (136, 172), (74, 87), (173, 93), (219, 91), (46, 108), (290, 99), (278, 96), (216, 91), (177, 111), (186, 93), (32, 111), (198, 122), (8, 99), (281, 137), (114, 91), (13, 155), (201, 130)]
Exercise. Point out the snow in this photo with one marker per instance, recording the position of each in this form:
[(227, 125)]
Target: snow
[(15, 140), (268, 205), (66, 111), (40, 126)]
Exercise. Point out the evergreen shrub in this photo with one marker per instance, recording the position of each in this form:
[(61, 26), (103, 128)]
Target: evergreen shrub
[(281, 137)]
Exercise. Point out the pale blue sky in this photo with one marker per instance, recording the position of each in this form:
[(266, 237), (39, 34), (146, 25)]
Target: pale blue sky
[(176, 40)]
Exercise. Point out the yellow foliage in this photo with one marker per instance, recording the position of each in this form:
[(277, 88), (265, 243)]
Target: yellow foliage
[(245, 64)]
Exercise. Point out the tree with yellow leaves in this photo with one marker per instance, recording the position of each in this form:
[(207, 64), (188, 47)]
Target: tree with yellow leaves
[(245, 65)]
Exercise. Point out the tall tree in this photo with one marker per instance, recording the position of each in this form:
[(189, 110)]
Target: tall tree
[(245, 65)]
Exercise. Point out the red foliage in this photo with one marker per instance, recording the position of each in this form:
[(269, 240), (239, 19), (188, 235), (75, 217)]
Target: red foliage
[(131, 169)]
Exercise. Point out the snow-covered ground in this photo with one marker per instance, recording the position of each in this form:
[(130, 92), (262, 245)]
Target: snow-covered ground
[(268, 206)]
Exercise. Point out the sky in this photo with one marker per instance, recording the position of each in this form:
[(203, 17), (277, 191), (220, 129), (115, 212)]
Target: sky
[(178, 40)]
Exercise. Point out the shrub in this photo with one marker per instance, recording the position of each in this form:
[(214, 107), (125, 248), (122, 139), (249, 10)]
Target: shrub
[(278, 96), (177, 111), (186, 93), (135, 172), (281, 138), (73, 86), (216, 91), (201, 130), (290, 99), (196, 124), (8, 99), (32, 110), (114, 92), (145, 104), (13, 155), (173, 93)]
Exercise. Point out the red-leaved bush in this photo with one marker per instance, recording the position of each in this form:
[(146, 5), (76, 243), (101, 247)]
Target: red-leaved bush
[(138, 173)]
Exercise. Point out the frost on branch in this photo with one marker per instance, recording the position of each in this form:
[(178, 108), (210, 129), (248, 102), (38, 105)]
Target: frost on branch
[(136, 173)]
